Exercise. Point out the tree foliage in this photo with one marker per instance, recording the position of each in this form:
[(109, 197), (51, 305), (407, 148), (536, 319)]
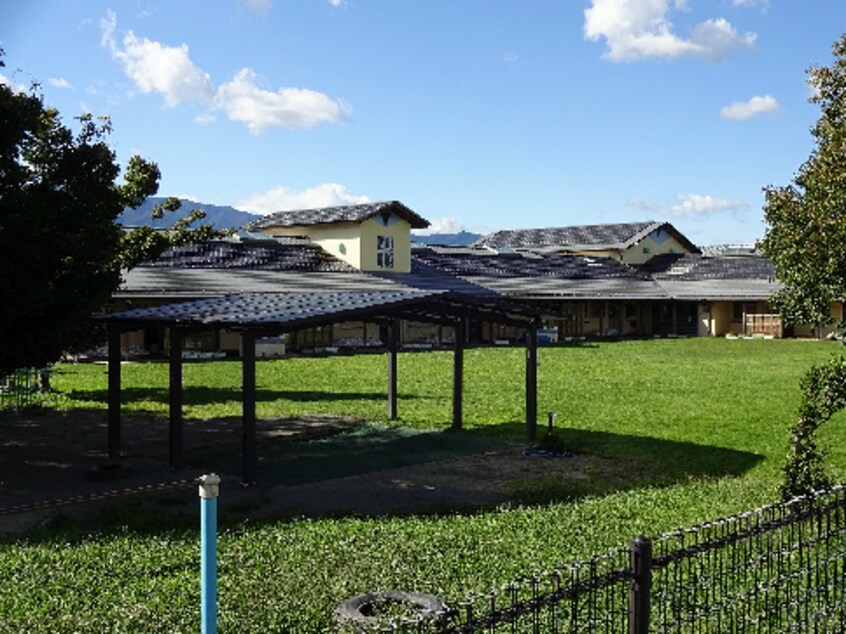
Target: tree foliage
[(823, 395), (806, 235), (61, 250)]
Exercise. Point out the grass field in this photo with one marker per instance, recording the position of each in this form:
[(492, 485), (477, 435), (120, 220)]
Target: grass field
[(696, 429)]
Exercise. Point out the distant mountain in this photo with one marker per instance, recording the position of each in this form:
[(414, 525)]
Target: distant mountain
[(461, 239), (219, 216), (224, 217)]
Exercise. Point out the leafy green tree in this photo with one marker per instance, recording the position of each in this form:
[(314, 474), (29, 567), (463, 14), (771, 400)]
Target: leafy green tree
[(806, 235), (61, 250)]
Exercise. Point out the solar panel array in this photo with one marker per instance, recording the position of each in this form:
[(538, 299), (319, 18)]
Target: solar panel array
[(345, 213), (604, 234), (298, 254), (695, 267)]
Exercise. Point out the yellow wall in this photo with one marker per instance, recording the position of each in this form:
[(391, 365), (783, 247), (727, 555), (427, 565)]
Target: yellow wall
[(355, 243), (341, 239), (635, 254), (809, 331), (400, 231)]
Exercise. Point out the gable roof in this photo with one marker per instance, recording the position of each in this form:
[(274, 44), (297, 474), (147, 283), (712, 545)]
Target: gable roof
[(345, 213), (584, 237)]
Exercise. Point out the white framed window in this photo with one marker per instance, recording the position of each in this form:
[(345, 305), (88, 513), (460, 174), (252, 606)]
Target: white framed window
[(385, 252)]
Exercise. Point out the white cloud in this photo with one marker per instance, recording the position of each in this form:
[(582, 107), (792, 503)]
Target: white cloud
[(288, 108), (284, 199), (510, 58), (639, 29), (15, 87), (692, 206), (743, 110), (337, 3), (260, 7), (58, 82), (764, 4), (169, 71), (441, 225)]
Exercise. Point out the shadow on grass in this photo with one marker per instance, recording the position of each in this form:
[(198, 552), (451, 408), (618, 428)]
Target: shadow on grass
[(625, 462), (603, 463), (200, 395)]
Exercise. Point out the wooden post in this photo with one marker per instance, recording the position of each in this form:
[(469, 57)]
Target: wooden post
[(393, 346), (248, 387), (458, 374), (532, 381), (114, 393), (175, 392)]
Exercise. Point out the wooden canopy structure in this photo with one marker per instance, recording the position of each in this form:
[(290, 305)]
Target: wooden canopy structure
[(255, 315)]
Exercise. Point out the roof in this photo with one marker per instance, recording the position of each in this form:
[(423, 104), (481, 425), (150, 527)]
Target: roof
[(586, 237), (697, 267), (178, 283), (694, 277), (536, 276), (267, 265), (297, 265), (345, 213), (280, 254), (285, 312)]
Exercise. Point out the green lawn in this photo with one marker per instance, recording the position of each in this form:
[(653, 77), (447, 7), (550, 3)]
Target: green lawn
[(691, 429)]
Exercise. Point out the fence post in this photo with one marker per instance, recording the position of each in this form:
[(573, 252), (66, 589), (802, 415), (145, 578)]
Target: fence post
[(641, 586), (209, 489)]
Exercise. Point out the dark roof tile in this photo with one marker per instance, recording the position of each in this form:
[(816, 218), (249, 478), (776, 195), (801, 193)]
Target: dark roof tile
[(287, 254), (586, 237), (695, 267), (345, 213)]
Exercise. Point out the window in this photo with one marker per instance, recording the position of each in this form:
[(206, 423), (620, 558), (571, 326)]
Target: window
[(740, 309), (385, 252)]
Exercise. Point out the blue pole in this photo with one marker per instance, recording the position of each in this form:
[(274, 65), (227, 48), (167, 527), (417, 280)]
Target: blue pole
[(209, 489)]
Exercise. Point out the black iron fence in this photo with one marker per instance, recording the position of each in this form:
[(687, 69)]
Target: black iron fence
[(26, 387), (781, 568)]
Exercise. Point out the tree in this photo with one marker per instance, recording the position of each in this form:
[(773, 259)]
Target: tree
[(61, 250), (806, 234), (823, 395)]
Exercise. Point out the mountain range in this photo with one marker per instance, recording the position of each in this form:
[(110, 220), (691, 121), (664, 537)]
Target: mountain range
[(225, 217)]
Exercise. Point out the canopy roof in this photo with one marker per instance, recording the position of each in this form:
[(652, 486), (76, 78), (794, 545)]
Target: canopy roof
[(286, 312)]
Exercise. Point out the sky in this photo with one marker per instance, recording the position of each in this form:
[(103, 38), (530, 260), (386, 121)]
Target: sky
[(477, 114)]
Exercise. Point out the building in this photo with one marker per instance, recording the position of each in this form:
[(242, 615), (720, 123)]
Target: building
[(641, 279)]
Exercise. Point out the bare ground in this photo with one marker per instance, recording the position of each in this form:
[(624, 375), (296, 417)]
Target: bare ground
[(49, 455)]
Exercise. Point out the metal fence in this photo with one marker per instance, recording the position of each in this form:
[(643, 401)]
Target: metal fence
[(26, 387), (781, 568)]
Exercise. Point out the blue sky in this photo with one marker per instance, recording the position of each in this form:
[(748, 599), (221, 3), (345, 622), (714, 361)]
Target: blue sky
[(477, 114)]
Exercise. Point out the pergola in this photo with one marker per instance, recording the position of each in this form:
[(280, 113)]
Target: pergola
[(255, 315)]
